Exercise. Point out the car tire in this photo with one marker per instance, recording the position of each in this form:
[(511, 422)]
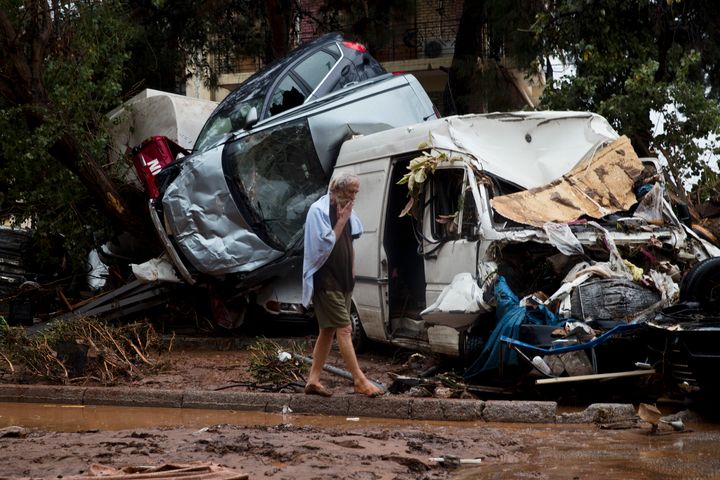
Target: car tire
[(359, 339), (702, 284)]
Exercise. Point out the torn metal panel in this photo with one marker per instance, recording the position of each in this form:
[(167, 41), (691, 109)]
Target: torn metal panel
[(207, 224), (444, 339), (596, 187), (528, 149)]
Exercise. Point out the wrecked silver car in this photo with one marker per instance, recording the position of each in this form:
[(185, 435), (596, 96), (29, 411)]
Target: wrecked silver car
[(235, 212), (477, 225), (308, 72)]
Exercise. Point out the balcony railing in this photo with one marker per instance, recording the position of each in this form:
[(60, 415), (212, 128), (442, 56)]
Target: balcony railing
[(411, 41)]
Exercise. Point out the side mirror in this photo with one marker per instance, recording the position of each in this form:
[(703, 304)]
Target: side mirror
[(251, 118)]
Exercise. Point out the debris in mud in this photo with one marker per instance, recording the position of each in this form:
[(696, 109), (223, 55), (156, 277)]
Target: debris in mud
[(442, 385), (13, 432), (273, 364), (168, 471), (84, 349)]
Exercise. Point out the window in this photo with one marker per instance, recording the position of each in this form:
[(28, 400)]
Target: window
[(287, 95), (275, 176), (314, 69), (454, 211)]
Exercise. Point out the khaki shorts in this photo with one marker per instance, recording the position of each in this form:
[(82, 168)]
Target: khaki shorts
[(332, 308)]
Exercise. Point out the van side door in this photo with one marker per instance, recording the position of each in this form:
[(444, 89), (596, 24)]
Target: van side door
[(371, 277)]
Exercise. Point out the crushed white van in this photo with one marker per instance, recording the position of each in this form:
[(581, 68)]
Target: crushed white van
[(557, 203)]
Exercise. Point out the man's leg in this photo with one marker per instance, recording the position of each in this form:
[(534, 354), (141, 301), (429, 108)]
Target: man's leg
[(362, 384), (321, 351)]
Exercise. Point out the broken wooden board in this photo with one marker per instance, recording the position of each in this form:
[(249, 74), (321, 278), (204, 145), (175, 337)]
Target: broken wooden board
[(595, 376), (596, 187)]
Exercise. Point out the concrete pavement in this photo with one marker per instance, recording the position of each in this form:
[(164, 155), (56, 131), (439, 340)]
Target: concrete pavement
[(387, 406)]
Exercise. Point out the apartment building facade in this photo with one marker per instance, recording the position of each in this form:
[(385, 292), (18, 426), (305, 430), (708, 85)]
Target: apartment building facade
[(423, 45)]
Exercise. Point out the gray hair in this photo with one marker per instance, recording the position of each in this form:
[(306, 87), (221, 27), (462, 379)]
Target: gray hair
[(342, 181)]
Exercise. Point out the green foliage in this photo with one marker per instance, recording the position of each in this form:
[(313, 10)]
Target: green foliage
[(372, 22), (82, 73), (633, 58), (180, 37)]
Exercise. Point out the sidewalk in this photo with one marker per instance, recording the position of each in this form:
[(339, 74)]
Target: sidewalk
[(387, 406)]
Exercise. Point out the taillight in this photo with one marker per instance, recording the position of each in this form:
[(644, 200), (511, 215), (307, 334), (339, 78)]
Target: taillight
[(356, 46), (399, 72)]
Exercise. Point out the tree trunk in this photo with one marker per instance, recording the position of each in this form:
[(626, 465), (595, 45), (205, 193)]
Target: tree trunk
[(21, 85), (280, 14), (469, 45), (133, 219)]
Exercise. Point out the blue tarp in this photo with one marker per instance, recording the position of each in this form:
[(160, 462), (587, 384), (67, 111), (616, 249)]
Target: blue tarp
[(510, 315)]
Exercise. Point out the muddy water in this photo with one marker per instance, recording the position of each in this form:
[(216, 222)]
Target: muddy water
[(506, 450), (630, 454), (77, 418)]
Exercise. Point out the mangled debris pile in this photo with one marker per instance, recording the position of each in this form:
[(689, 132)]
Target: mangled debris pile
[(563, 263), (85, 349)]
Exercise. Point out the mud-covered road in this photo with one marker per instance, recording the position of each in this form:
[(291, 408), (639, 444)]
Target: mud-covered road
[(297, 447), (65, 441)]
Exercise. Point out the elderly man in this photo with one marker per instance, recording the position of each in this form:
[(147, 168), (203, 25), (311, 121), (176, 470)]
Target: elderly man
[(328, 279)]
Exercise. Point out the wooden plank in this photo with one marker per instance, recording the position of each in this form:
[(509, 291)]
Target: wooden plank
[(596, 376)]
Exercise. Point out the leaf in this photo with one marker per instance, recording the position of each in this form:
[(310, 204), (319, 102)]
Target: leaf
[(407, 208)]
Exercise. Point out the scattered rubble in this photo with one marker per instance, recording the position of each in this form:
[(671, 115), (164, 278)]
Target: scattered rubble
[(273, 364)]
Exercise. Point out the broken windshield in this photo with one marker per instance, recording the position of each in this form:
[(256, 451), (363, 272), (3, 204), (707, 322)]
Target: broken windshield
[(230, 115), (274, 176)]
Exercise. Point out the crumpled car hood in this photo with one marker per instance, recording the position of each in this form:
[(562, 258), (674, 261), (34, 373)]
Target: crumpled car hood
[(206, 224)]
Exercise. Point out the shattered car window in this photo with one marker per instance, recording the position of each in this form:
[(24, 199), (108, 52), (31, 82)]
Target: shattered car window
[(288, 95), (275, 176), (227, 120), (230, 115)]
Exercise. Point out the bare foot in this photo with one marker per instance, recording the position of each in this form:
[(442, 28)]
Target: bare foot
[(317, 389), (368, 389)]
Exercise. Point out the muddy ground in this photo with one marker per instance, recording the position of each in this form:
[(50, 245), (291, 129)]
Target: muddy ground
[(296, 447)]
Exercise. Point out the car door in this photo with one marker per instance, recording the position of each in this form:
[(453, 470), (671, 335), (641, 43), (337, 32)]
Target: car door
[(371, 276)]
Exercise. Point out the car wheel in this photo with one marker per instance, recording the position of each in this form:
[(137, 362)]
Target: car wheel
[(359, 339), (702, 284)]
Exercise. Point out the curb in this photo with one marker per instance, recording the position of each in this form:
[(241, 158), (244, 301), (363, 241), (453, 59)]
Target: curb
[(388, 406)]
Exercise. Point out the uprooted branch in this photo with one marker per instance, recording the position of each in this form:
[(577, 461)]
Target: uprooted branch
[(82, 348)]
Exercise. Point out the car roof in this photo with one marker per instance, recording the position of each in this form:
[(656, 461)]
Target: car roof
[(528, 149), (278, 63)]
